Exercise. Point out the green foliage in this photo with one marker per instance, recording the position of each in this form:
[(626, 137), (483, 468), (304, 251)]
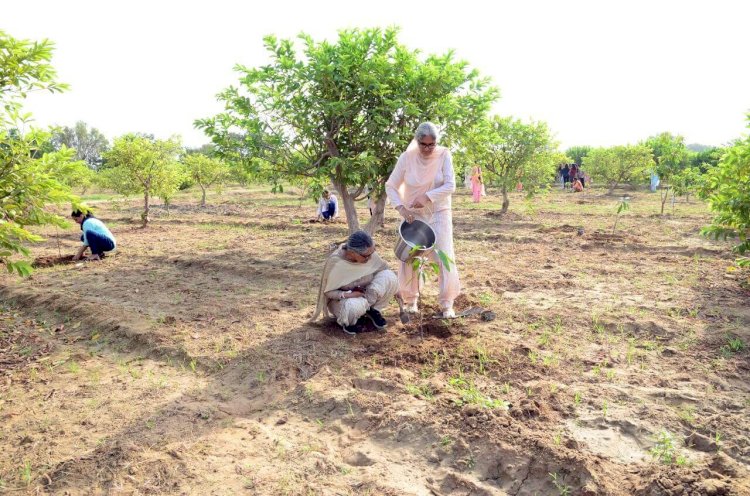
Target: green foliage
[(172, 177), (29, 179), (471, 395), (422, 265), (727, 189), (619, 164), (670, 154), (89, 144), (206, 172), (665, 451), (686, 181), (671, 157), (734, 345), (577, 153), (511, 152), (342, 112), (706, 159), (143, 165), (24, 67)]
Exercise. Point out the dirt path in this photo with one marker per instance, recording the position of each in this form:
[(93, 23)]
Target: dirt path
[(184, 363)]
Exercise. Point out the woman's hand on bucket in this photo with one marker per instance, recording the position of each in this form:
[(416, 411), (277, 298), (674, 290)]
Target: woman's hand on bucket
[(407, 214)]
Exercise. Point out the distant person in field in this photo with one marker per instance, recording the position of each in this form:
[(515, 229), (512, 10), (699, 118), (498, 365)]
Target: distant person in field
[(328, 207), (577, 185), (477, 183), (565, 172), (584, 177), (356, 285), (96, 237), (420, 187)]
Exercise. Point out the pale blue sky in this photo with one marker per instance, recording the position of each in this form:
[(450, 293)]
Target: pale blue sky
[(598, 72)]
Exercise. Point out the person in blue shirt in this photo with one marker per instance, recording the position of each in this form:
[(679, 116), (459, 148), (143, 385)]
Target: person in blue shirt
[(95, 236), (328, 207)]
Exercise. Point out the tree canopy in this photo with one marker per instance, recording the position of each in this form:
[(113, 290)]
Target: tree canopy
[(619, 164), (513, 151), (89, 144), (577, 153), (727, 189), (343, 112), (143, 165), (29, 179), (671, 157), (206, 172)]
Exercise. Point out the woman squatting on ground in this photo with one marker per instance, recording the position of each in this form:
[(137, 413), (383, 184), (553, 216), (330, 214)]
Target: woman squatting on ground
[(356, 284)]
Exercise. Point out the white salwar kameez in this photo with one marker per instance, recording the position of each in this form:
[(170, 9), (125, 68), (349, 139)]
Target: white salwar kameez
[(378, 294), (433, 176)]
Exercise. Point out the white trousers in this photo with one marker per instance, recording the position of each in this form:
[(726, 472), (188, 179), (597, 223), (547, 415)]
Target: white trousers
[(449, 283), (377, 295)]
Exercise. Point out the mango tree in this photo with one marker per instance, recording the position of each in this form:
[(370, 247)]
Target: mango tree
[(142, 165), (512, 151), (29, 179), (89, 144), (727, 189), (206, 172), (577, 153), (619, 164), (342, 112), (671, 157)]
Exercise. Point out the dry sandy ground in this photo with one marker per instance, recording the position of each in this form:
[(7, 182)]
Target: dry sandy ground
[(183, 364)]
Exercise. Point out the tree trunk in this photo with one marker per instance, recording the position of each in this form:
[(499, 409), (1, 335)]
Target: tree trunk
[(144, 215), (664, 195), (347, 200), (506, 200), (203, 199), (378, 216)]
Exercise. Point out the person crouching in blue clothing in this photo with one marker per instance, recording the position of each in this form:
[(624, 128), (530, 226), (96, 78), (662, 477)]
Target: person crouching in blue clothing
[(328, 207), (95, 236)]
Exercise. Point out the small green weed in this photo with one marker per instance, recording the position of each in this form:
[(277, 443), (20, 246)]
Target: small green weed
[(423, 391), (562, 489)]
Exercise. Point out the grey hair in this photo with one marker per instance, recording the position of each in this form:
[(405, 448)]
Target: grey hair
[(426, 129), (359, 242)]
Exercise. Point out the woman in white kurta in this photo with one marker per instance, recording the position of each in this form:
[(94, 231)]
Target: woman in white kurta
[(420, 187)]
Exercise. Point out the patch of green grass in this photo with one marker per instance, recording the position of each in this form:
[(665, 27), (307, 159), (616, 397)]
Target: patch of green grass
[(687, 414), (484, 358), (665, 451), (423, 391), (734, 345), (470, 394), (487, 298), (557, 481), (26, 473)]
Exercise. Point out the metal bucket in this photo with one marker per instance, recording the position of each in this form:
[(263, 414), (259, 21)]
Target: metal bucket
[(417, 233)]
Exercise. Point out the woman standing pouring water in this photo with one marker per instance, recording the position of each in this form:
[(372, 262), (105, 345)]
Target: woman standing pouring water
[(420, 187)]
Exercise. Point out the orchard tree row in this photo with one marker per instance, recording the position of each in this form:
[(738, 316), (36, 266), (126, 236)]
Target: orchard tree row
[(324, 112)]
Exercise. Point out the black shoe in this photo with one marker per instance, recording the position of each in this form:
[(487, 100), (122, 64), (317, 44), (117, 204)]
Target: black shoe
[(377, 318), (353, 329)]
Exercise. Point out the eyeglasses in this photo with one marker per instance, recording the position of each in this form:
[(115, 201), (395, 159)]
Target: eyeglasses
[(427, 145)]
